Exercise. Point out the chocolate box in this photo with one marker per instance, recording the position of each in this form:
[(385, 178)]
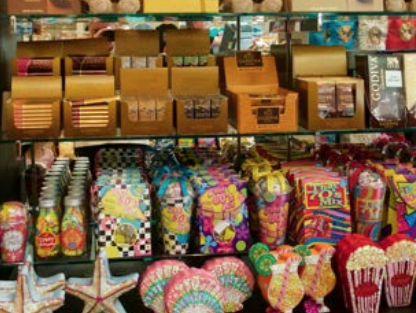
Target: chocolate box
[(188, 43), (151, 83), (183, 6), (257, 103), (313, 117), (139, 44), (202, 83), (316, 6), (320, 109), (384, 89), (89, 106), (33, 109)]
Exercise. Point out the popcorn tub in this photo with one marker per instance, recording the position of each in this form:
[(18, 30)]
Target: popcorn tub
[(400, 269)]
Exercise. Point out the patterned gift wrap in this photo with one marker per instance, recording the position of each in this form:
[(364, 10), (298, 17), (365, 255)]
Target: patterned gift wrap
[(402, 205), (324, 215), (175, 198), (361, 267), (223, 218), (124, 223), (400, 269), (273, 194)]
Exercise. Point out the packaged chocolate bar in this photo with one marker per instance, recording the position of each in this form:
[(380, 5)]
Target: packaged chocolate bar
[(202, 107), (147, 109), (151, 62), (132, 108), (189, 107), (385, 99), (161, 108), (345, 99), (191, 61), (178, 61), (326, 99), (372, 32), (215, 106), (125, 61), (138, 62), (203, 60)]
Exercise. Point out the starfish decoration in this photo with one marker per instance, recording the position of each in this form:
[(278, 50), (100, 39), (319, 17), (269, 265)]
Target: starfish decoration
[(43, 285), (101, 292), (25, 299)]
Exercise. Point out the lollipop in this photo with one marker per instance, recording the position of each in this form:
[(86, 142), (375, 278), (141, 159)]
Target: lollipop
[(194, 290), (236, 279), (154, 280)]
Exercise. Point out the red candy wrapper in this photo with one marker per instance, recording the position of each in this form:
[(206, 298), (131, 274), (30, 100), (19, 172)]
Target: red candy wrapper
[(13, 232)]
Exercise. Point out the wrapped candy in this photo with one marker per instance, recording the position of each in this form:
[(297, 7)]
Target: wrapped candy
[(194, 290), (278, 278), (368, 193), (154, 281), (272, 200), (361, 266), (13, 232), (236, 279), (317, 275), (400, 273)]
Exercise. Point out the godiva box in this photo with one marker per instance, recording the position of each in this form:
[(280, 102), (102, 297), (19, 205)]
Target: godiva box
[(328, 98), (257, 103), (33, 109), (136, 49), (316, 6), (146, 105), (200, 108), (384, 90), (182, 6), (89, 65), (35, 66), (89, 106)]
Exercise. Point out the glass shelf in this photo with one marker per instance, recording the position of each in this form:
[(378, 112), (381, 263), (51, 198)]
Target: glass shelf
[(204, 16), (146, 259), (231, 134)]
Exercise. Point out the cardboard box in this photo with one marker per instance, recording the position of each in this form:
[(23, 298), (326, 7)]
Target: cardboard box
[(33, 109), (199, 82), (26, 6), (409, 68), (55, 67), (107, 66), (152, 83), (257, 104), (63, 7), (43, 7), (136, 43), (309, 73), (365, 6), (93, 89), (384, 90), (316, 6), (183, 6), (309, 113)]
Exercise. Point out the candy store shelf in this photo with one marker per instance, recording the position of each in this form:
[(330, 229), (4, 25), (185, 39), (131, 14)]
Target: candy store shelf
[(198, 16), (232, 133)]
